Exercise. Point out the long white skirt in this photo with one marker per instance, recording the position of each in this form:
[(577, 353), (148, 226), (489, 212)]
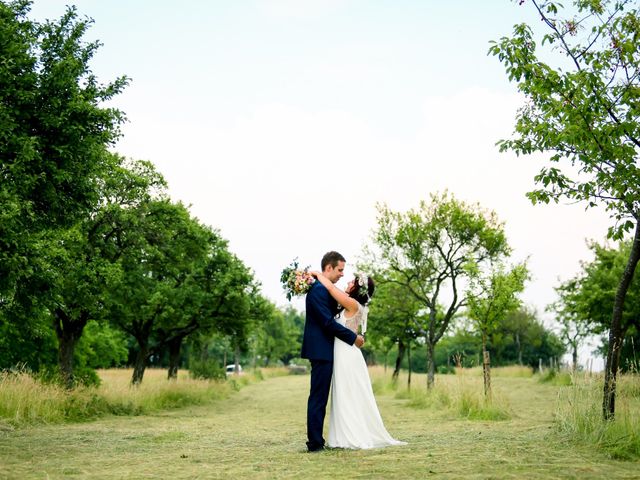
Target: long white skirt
[(355, 420)]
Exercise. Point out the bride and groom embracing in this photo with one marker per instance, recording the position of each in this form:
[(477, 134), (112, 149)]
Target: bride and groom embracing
[(338, 365)]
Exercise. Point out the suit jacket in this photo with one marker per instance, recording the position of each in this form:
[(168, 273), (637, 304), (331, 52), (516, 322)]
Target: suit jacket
[(320, 327)]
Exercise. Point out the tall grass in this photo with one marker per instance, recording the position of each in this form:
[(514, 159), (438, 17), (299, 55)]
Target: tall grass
[(511, 371), (579, 416), (459, 395), (26, 401)]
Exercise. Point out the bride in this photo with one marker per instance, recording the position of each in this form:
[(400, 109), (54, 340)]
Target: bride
[(355, 420)]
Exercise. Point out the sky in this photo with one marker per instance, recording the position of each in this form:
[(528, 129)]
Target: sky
[(283, 123)]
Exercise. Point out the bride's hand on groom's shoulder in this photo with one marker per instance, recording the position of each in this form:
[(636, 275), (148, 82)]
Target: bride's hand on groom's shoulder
[(314, 273)]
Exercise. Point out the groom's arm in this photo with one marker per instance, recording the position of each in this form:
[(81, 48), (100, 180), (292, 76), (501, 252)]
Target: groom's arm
[(319, 302)]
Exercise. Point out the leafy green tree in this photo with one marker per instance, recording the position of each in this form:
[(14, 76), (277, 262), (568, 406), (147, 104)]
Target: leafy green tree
[(459, 348), (164, 248), (573, 329), (587, 299), (521, 338), (102, 346), (490, 298), (236, 309), (296, 320), (81, 261), (434, 248), (27, 344), (277, 337), (211, 297), (514, 338), (54, 132), (395, 315), (584, 111)]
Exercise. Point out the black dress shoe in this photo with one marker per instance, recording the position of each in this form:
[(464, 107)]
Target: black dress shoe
[(314, 448)]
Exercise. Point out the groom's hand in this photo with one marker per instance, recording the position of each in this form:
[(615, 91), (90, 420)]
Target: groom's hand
[(359, 341)]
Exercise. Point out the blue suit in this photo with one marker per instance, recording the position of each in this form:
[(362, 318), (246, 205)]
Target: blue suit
[(320, 330)]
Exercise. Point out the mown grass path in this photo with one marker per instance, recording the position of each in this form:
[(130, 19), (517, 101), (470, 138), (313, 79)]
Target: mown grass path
[(259, 433)]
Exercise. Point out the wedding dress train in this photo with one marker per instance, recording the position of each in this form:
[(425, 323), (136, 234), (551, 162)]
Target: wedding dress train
[(355, 421)]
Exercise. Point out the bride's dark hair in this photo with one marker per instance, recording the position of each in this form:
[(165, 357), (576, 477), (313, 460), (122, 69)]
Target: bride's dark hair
[(361, 294)]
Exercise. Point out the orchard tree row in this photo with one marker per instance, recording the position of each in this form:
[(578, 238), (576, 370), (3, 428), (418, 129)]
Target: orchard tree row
[(90, 243)]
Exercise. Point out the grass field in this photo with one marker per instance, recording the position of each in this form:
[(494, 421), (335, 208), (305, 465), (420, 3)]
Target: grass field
[(259, 432)]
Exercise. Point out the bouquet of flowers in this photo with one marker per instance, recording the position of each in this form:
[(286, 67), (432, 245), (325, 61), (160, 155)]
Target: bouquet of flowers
[(296, 281)]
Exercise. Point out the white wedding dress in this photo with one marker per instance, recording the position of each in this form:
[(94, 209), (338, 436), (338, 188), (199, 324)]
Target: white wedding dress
[(355, 421)]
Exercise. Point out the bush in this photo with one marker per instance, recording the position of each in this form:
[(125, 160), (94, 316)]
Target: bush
[(300, 362), (446, 369), (206, 370), (556, 377), (83, 376)]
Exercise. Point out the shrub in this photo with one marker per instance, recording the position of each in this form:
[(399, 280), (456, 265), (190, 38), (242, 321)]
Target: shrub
[(83, 376), (206, 369), (556, 377), (446, 369)]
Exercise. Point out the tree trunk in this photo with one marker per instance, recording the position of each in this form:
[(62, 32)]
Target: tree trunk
[(574, 358), (66, 347), (410, 368), (616, 333), (236, 356), (431, 366), (68, 333), (486, 368), (140, 363), (519, 348), (401, 350), (174, 357)]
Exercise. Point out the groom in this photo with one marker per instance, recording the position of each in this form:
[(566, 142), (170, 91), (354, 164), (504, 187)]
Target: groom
[(320, 329)]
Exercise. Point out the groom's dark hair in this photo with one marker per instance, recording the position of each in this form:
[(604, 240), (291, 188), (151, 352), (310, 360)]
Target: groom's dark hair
[(331, 258)]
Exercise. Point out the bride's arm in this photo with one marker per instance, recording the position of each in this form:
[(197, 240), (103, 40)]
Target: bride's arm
[(350, 304)]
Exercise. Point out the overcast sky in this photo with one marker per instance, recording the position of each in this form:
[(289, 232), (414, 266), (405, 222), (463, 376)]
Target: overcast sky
[(283, 122)]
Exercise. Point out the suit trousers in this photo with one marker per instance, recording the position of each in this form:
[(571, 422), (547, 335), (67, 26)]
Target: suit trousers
[(321, 373)]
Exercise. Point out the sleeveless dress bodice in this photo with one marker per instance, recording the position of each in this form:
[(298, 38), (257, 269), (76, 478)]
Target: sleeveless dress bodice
[(352, 323)]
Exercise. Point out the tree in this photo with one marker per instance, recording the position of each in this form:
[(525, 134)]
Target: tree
[(584, 111), (277, 336), (54, 134), (164, 247), (521, 338), (102, 346), (573, 329), (213, 295), (30, 344), (395, 316), (490, 298), (435, 247), (81, 261), (587, 299), (515, 335)]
